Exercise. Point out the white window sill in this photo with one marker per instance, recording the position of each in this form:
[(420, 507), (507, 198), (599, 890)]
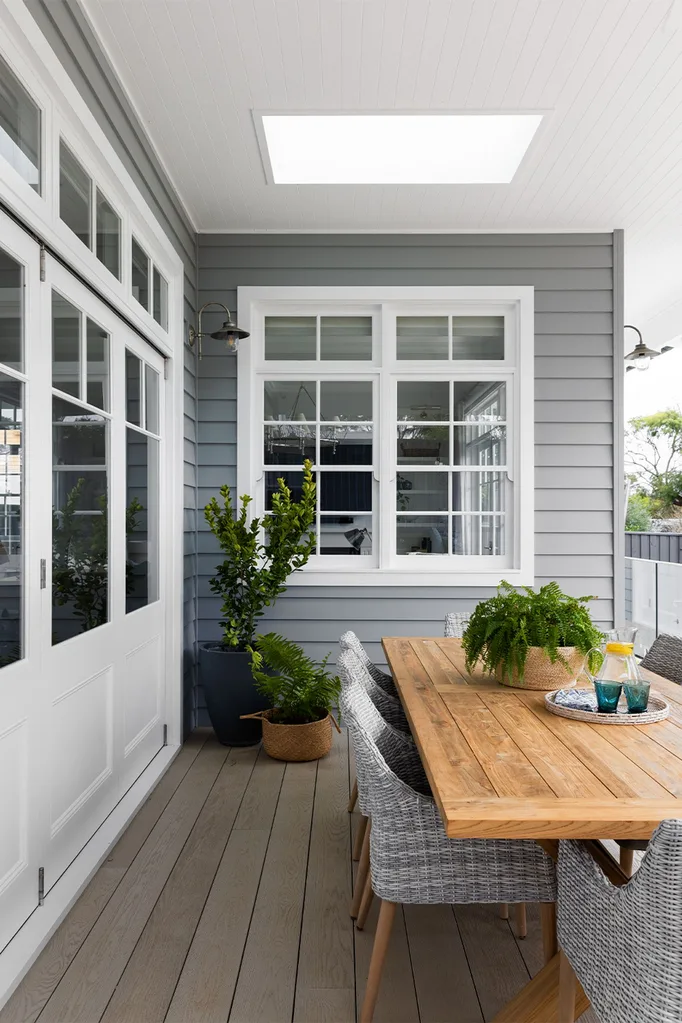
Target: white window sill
[(398, 577)]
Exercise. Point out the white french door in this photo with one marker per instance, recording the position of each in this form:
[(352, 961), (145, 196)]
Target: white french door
[(82, 528)]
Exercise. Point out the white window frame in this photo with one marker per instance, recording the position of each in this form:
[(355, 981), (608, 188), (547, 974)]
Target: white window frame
[(384, 303)]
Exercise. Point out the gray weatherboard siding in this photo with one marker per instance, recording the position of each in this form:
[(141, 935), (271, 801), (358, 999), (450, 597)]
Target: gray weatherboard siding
[(578, 305), (68, 32)]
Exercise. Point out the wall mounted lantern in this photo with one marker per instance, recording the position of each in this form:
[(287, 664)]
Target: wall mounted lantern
[(229, 332), (641, 355)]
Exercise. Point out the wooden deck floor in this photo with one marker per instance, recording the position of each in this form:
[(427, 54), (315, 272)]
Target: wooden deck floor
[(227, 899)]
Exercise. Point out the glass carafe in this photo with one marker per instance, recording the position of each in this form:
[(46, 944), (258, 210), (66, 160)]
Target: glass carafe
[(617, 661)]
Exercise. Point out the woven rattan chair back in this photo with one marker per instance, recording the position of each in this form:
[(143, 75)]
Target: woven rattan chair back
[(388, 706), (349, 641), (665, 658), (625, 944), (455, 624)]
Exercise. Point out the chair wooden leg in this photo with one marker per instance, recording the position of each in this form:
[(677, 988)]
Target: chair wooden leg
[(627, 860), (549, 938), (366, 903), (504, 911), (353, 797), (567, 990), (521, 922), (362, 875), (359, 838), (376, 965)]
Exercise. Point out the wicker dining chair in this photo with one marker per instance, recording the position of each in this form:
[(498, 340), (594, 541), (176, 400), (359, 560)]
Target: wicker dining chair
[(623, 944), (411, 858), (455, 624), (400, 752), (349, 641), (664, 658)]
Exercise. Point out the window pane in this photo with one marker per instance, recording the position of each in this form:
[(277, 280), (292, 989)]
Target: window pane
[(289, 444), (423, 445), (422, 491), (480, 400), (75, 195), (345, 491), (348, 400), (12, 318), (66, 346), (142, 521), (346, 534), (133, 389), (80, 533), (480, 445), (151, 399), (478, 491), (108, 236), (478, 337), (160, 299), (294, 480), (424, 400), (478, 534), (78, 436), (287, 399), (11, 524), (422, 337), (98, 365), (346, 337), (422, 534), (346, 445), (19, 128), (140, 274), (290, 337)]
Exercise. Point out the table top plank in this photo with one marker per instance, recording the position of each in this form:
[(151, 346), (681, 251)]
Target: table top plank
[(556, 762), (501, 765)]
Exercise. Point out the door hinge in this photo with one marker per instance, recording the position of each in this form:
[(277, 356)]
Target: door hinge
[(41, 885), (42, 262), (165, 369), (43, 573), (165, 735)]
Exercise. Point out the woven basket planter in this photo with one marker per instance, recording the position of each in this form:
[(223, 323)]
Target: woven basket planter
[(297, 742), (541, 674)]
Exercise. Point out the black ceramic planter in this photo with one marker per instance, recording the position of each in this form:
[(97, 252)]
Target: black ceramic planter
[(230, 691)]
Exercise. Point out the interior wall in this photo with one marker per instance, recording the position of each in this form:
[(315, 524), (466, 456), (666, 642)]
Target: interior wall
[(578, 293), (70, 36)]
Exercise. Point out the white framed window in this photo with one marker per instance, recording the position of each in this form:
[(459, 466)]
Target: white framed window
[(415, 406)]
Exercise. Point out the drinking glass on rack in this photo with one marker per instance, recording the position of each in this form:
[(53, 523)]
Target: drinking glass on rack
[(637, 695), (608, 695)]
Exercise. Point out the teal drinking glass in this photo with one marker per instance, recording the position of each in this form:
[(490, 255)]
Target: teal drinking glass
[(637, 695), (608, 695)]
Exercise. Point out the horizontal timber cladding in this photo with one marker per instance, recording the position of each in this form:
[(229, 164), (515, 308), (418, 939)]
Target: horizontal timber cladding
[(574, 279), (68, 32)]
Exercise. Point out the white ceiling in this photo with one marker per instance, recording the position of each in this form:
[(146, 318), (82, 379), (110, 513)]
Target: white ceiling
[(608, 74)]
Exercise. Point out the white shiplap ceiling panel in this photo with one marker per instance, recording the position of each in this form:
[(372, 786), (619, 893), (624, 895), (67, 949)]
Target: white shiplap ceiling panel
[(607, 74)]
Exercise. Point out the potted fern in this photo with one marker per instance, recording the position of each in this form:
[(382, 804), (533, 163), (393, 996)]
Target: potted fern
[(301, 694), (260, 555), (531, 639)]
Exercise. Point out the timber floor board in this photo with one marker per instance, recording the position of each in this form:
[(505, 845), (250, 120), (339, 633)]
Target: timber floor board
[(227, 900)]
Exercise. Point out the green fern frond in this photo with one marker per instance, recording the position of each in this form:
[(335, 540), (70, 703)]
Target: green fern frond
[(298, 688)]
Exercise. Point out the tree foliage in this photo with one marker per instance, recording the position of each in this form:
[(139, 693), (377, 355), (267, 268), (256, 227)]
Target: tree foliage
[(502, 629), (299, 689), (638, 517), (254, 573), (654, 457)]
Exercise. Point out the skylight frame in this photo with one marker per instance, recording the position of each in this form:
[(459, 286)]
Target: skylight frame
[(535, 121)]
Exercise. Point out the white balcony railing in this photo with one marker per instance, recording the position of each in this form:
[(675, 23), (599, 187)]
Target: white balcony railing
[(653, 599)]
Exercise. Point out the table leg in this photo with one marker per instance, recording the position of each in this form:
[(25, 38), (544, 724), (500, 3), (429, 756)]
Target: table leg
[(548, 922), (567, 990)]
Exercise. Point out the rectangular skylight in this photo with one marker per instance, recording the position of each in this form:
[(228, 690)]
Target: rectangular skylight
[(399, 149)]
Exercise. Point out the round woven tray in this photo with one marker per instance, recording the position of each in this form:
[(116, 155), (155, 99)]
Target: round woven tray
[(658, 711)]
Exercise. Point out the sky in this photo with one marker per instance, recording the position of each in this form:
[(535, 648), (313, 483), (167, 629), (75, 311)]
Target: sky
[(656, 388)]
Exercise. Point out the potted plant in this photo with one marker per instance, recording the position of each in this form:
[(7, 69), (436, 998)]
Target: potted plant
[(260, 556), (531, 639), (301, 694)]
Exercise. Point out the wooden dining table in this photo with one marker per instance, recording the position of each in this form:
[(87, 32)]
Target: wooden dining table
[(501, 765)]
